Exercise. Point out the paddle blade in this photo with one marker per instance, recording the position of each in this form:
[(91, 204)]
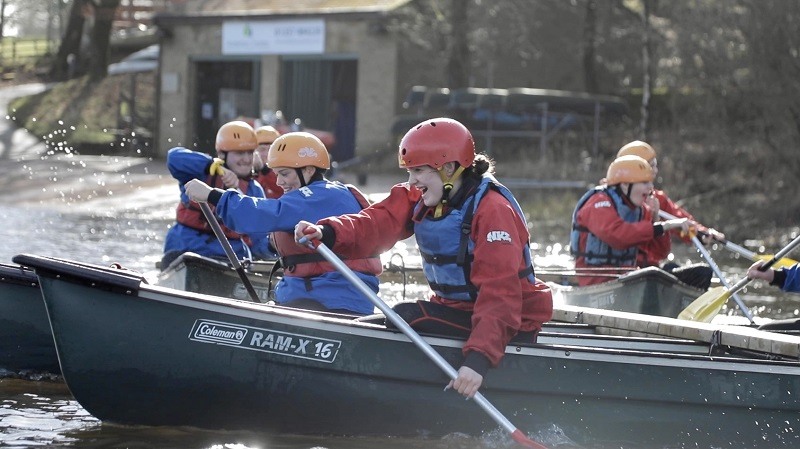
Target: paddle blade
[(781, 263), (524, 441), (706, 306)]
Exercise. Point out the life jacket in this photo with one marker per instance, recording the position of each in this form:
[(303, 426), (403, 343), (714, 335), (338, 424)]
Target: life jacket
[(447, 254), (269, 181), (192, 216), (300, 261), (598, 252)]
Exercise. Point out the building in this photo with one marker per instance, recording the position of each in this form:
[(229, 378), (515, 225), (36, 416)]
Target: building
[(329, 63)]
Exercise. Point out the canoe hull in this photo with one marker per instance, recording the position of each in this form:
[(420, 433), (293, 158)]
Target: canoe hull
[(26, 342), (157, 356), (649, 291)]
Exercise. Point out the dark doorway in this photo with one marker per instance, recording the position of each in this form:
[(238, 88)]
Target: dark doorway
[(224, 90), (322, 94)]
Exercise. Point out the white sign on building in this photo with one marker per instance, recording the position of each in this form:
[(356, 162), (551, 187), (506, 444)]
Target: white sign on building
[(306, 36)]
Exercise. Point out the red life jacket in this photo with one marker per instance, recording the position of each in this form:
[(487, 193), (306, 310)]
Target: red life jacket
[(269, 181), (192, 216), (300, 261)]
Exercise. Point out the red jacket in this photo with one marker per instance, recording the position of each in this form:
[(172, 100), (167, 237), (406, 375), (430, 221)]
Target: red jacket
[(653, 253), (505, 304), (600, 217), (269, 181)]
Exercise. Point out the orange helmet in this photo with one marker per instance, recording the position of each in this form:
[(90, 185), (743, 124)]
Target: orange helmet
[(297, 150), (638, 148), (236, 136), (265, 135), (629, 169), (435, 142)]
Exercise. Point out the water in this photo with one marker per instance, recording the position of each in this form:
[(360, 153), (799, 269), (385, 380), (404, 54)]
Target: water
[(125, 224)]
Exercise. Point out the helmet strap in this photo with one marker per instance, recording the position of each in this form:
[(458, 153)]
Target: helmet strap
[(447, 188), (299, 172)]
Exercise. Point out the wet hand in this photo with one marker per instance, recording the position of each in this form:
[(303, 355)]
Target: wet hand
[(653, 205), (308, 230), (754, 273), (467, 382), (711, 235), (197, 190)]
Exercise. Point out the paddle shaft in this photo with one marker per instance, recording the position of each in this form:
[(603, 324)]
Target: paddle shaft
[(226, 245), (516, 434), (704, 252), (766, 265)]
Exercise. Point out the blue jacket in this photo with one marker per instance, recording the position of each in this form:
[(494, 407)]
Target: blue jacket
[(792, 282), (185, 165), (313, 202)]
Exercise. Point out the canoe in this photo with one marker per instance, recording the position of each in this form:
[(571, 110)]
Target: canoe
[(649, 291), (195, 273), (26, 343), (134, 353)]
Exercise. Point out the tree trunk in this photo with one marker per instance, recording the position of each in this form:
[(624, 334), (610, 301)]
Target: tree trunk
[(458, 62), (69, 50), (2, 18), (589, 47), (104, 11), (647, 82)]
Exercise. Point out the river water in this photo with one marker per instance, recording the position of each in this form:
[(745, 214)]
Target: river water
[(117, 221)]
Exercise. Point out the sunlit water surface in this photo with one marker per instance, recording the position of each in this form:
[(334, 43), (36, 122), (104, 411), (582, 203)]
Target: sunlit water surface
[(41, 413)]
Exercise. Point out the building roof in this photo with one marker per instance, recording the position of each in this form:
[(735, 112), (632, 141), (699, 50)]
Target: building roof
[(217, 9)]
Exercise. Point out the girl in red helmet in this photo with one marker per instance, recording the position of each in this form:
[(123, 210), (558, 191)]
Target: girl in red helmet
[(473, 240)]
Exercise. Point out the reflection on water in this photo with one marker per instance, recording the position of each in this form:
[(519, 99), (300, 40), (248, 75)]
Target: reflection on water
[(43, 414)]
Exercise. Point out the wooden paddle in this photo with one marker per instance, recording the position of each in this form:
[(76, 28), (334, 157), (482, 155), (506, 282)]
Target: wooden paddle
[(423, 345), (699, 245), (226, 245), (707, 306)]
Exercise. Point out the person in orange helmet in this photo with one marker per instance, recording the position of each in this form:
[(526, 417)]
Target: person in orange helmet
[(233, 169), (611, 221), (265, 135), (696, 274), (300, 161)]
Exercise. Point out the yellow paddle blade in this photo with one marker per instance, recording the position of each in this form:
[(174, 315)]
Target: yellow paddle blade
[(782, 263), (706, 306)]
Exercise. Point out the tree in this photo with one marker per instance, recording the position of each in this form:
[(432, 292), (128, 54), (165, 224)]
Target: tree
[(64, 64), (100, 37)]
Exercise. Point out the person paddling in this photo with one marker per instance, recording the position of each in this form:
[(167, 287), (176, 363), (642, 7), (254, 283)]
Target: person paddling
[(611, 222), (233, 168), (696, 274), (473, 240), (786, 279), (300, 161)]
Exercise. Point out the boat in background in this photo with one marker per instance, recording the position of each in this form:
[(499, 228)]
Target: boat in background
[(200, 274), (649, 291), (134, 353), (26, 342)]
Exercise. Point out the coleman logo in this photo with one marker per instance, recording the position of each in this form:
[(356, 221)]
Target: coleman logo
[(219, 332), (498, 236), (265, 340), (600, 204)]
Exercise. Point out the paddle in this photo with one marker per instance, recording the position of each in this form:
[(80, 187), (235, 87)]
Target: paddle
[(706, 307), (226, 245), (699, 245), (516, 434), (782, 263)]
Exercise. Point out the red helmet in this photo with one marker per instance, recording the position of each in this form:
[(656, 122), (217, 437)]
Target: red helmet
[(435, 142)]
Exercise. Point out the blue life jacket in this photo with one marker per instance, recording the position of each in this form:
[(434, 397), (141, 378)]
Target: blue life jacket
[(598, 252), (447, 255)]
